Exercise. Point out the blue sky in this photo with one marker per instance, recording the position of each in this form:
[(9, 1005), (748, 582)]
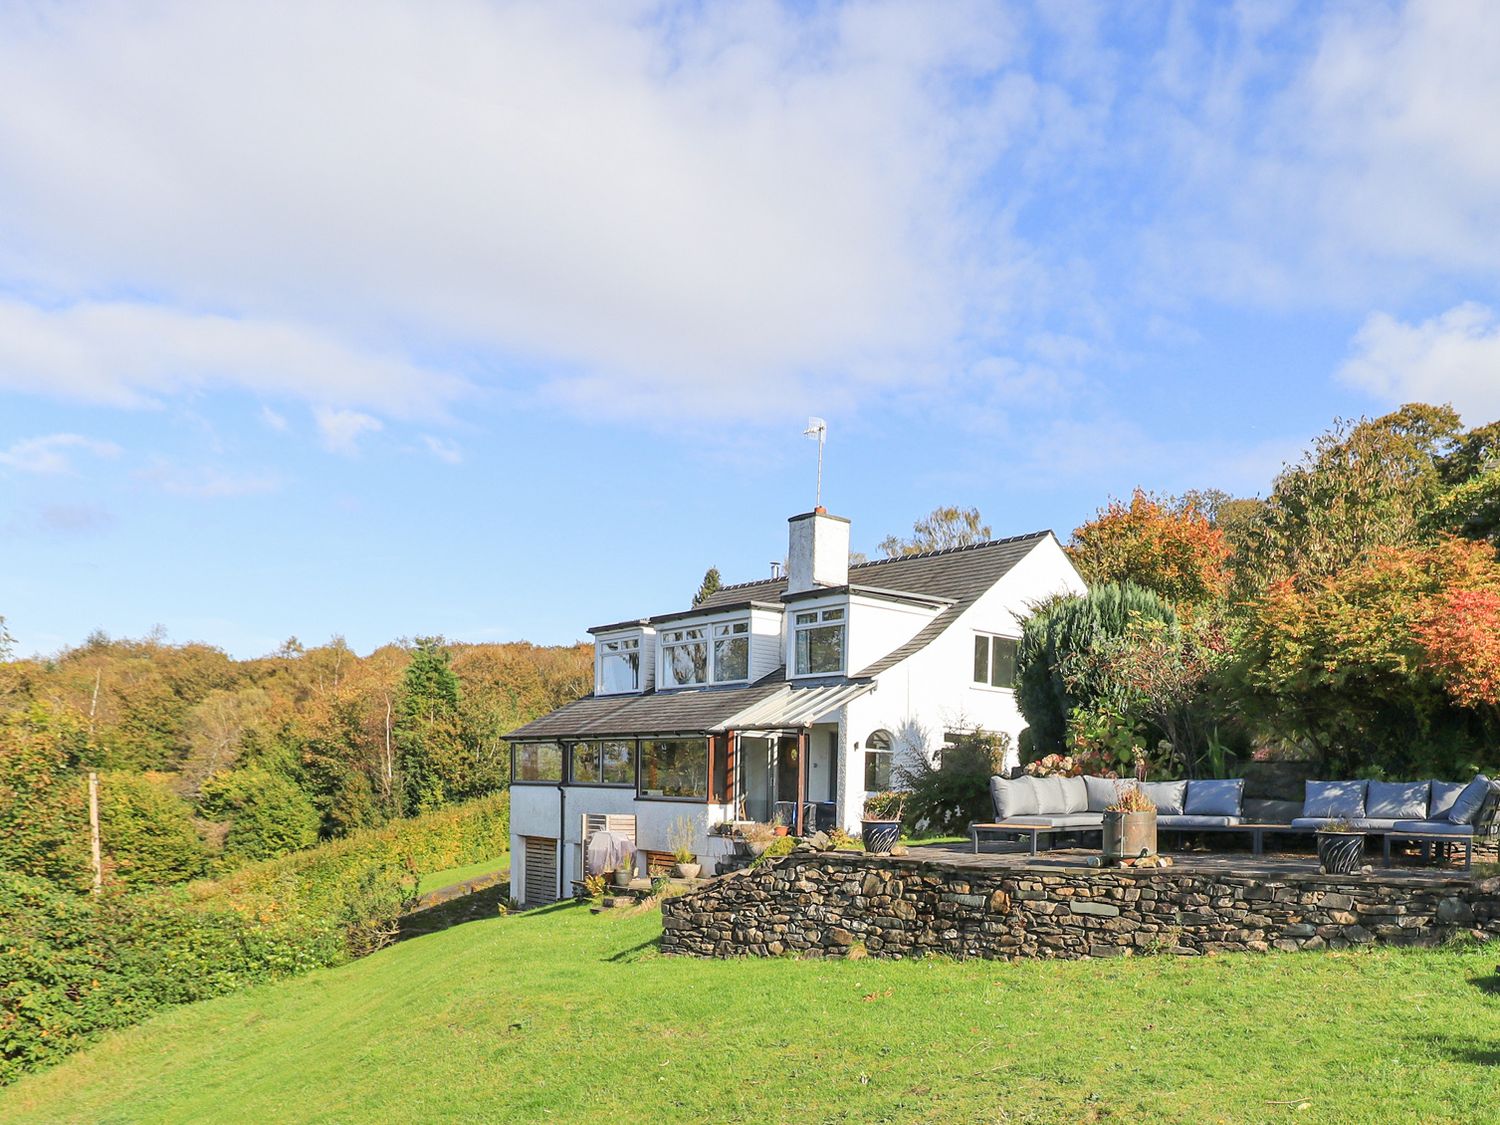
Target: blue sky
[(498, 320)]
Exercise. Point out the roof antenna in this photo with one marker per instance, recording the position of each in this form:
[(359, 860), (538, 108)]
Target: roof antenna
[(818, 429)]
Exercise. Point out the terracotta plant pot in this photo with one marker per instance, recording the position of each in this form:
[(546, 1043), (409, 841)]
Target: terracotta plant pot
[(880, 836), (687, 870), (1129, 835), (780, 830)]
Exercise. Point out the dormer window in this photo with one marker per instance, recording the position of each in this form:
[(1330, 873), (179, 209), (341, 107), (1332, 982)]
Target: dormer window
[(819, 641), (706, 654), (620, 665), (731, 652), (684, 657)]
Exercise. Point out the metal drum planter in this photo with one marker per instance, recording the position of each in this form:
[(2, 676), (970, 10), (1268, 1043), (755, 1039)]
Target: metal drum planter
[(1129, 835), (1340, 852)]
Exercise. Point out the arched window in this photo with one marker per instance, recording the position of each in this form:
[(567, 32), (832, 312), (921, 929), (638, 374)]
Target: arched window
[(878, 762)]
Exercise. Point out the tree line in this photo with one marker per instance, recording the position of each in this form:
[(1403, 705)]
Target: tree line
[(207, 762)]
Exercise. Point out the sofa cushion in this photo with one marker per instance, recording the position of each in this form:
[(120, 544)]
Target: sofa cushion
[(1012, 797), (1062, 820), (1184, 821), (1262, 810), (1167, 796), (1076, 794), (1467, 804), (1313, 823), (1051, 796), (1444, 793), (1334, 798), (1397, 800), (1101, 792), (1208, 797), (1432, 828)]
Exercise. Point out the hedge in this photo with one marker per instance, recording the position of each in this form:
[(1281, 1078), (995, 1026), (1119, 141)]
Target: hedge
[(74, 965)]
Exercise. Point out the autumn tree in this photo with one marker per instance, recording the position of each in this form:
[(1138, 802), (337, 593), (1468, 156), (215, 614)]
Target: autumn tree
[(1171, 548), (940, 530)]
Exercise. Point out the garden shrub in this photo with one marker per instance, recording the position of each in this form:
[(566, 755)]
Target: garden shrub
[(269, 815), (948, 797), (148, 831)]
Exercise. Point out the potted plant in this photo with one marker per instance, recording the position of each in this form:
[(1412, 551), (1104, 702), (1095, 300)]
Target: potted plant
[(681, 837), (624, 866), (778, 825), (880, 827), (757, 837), (1340, 847), (1129, 825)]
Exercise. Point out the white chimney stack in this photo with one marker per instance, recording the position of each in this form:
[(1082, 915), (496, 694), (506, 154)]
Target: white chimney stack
[(817, 551)]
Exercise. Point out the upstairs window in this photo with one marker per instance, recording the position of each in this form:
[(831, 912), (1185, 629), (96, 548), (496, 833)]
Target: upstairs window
[(620, 665), (819, 641), (684, 657), (995, 660), (731, 652)]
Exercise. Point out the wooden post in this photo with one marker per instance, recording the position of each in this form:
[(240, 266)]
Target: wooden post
[(94, 830), (803, 743)]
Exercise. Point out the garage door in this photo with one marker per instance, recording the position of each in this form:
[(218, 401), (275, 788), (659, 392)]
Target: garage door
[(541, 870)]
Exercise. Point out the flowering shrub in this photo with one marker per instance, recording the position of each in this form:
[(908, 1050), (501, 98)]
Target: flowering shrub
[(1091, 762)]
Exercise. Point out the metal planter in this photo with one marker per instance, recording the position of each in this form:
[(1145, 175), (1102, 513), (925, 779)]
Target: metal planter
[(1129, 835), (880, 836), (1339, 853)]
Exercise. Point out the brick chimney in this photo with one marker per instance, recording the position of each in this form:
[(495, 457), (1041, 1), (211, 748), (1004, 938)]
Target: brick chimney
[(817, 551)]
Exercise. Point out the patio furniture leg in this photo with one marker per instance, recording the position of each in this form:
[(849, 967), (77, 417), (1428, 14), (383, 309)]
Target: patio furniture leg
[(1257, 841), (1034, 835), (1468, 854), (974, 834), (1386, 840)]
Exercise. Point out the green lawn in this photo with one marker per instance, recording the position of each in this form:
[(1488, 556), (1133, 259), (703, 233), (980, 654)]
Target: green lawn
[(564, 1016), (439, 879)]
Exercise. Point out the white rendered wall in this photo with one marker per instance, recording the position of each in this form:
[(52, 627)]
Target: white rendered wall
[(817, 552), (877, 627), (534, 812)]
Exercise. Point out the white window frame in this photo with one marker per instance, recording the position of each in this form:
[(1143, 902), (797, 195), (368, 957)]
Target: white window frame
[(628, 644), (888, 748), (824, 617), (738, 627), (665, 644), (987, 683)]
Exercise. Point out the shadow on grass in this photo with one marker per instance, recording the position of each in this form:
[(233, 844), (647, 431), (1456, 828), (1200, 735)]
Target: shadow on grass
[(455, 912), (651, 945), (1489, 984), (1466, 1050)]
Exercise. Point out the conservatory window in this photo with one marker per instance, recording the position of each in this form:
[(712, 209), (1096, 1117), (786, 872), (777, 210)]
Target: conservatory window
[(536, 761), (620, 665), (819, 641), (995, 660), (674, 767), (684, 657), (731, 651), (603, 763)]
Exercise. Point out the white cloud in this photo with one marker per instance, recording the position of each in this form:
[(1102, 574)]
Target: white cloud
[(342, 429), (50, 454), (702, 205), (446, 451), (207, 482), (1454, 358), (132, 354), (273, 420)]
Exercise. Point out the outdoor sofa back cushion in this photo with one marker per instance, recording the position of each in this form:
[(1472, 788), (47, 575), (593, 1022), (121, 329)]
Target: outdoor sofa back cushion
[(1334, 799), (1167, 796), (1466, 806), (1012, 798), (1052, 796), (1077, 794), (1397, 800), (1444, 793), (1101, 792), (1208, 797)]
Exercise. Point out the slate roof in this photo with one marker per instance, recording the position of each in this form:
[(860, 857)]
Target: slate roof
[(958, 576)]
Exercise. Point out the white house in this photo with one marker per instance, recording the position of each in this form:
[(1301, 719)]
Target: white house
[(790, 696)]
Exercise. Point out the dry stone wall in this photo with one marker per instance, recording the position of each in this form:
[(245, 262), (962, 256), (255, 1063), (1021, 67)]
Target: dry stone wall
[(827, 904)]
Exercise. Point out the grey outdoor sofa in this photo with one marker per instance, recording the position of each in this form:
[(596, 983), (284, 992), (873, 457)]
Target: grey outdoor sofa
[(1427, 811)]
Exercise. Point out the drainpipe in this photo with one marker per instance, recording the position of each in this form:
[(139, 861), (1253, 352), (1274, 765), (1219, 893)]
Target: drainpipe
[(562, 841)]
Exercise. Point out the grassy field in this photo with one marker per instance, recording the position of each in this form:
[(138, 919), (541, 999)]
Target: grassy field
[(564, 1016), (439, 879)]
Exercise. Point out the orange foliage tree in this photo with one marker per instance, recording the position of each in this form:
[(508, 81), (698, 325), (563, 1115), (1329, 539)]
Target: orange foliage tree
[(1460, 638), (1171, 548)]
